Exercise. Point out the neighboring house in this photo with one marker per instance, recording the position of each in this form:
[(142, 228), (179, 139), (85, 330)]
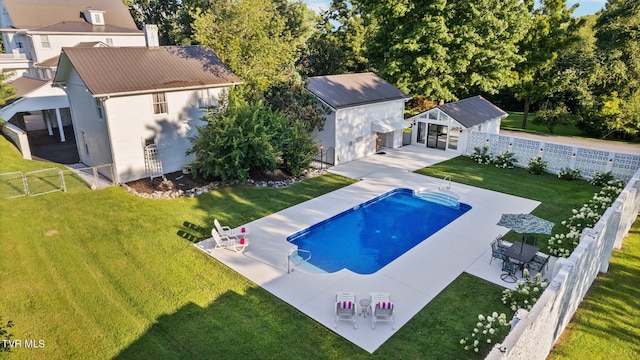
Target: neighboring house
[(33, 34), (367, 113), (136, 107), (443, 127)]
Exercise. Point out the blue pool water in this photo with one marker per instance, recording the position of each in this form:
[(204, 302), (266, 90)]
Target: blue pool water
[(369, 236)]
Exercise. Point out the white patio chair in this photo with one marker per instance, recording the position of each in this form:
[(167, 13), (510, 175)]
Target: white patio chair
[(238, 232), (228, 242), (381, 309), (345, 308)]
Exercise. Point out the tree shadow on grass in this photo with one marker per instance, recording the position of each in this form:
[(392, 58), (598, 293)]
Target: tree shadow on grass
[(235, 326)]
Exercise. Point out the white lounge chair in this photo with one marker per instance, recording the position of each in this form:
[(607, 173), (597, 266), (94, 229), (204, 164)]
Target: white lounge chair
[(238, 232), (345, 308), (381, 309), (228, 242)]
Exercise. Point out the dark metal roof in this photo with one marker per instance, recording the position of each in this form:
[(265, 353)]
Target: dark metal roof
[(28, 14), (342, 91), (84, 27), (25, 85), (472, 111), (119, 70)]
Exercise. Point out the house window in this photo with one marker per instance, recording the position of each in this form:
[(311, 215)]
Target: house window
[(100, 108), (159, 103), (206, 99), (97, 19), (44, 41), (84, 141), (19, 44)]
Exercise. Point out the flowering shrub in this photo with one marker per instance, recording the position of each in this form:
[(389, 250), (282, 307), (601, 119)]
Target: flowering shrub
[(487, 331), (537, 166), (526, 293), (569, 174), (562, 245), (602, 179), (481, 155), (505, 160)]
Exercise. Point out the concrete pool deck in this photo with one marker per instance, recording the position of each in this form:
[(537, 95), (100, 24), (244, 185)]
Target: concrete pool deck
[(412, 280)]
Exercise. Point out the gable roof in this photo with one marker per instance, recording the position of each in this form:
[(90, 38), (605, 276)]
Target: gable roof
[(343, 91), (125, 70), (25, 85), (52, 62), (472, 111), (28, 14)]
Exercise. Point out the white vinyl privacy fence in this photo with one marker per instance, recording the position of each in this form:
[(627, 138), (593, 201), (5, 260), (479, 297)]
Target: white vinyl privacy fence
[(558, 156), (537, 331)]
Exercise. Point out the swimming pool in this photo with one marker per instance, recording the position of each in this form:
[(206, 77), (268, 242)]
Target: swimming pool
[(369, 236)]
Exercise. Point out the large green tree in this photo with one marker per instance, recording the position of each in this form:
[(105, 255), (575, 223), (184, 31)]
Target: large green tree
[(446, 49), (252, 37), (338, 45), (618, 45), (553, 30)]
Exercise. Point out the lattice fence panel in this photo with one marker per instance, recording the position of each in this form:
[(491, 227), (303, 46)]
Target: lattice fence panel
[(525, 149), (591, 161), (625, 165), (557, 156)]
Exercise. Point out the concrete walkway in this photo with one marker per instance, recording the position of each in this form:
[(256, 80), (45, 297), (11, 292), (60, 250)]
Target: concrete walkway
[(413, 279)]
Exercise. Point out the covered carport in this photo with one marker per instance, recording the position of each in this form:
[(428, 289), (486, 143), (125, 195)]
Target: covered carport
[(42, 112)]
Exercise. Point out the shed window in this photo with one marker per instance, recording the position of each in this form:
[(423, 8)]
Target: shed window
[(159, 103)]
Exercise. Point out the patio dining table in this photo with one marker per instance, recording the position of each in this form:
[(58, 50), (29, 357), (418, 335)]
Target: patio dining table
[(521, 252)]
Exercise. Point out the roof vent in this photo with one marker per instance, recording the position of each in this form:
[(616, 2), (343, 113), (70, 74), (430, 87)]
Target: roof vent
[(151, 35), (93, 16)]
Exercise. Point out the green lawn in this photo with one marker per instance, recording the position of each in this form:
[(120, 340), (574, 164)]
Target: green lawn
[(514, 122), (102, 274), (557, 197), (607, 322)]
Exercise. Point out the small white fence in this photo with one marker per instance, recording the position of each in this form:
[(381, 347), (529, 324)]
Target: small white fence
[(535, 334), (45, 181), (589, 161)]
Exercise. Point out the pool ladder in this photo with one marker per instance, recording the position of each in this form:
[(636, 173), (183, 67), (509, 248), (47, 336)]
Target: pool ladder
[(297, 259), (447, 181)]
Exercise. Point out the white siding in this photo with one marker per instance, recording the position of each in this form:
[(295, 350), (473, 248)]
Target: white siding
[(85, 121), (58, 41), (354, 137), (131, 120)]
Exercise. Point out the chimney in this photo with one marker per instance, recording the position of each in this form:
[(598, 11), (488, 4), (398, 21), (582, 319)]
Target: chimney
[(151, 35)]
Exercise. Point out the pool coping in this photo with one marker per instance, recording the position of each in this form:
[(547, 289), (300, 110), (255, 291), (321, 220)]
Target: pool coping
[(412, 280)]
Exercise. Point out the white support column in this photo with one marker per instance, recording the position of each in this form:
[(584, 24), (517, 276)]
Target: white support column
[(60, 128), (47, 121)]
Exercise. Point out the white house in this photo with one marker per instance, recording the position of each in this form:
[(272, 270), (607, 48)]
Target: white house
[(443, 127), (367, 113), (136, 107), (33, 34)]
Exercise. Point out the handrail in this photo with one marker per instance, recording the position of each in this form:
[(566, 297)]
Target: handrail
[(447, 178), (293, 252)]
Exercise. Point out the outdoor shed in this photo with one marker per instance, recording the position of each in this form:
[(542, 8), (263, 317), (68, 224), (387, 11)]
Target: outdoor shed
[(136, 107), (443, 127), (367, 113)]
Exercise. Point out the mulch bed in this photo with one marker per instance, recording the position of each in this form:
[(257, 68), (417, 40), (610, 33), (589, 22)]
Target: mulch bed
[(179, 181)]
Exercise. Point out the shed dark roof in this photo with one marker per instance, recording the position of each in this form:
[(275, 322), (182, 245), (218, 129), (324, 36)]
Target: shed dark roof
[(117, 70), (343, 91), (472, 111), (28, 14)]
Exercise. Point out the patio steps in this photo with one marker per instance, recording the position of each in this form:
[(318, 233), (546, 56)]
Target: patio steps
[(442, 197)]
